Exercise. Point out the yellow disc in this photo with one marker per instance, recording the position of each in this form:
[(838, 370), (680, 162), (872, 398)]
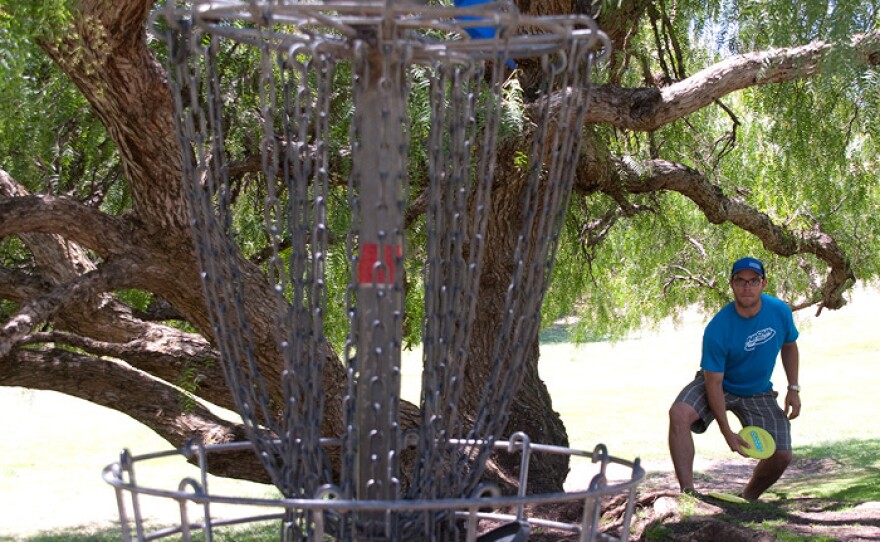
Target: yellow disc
[(728, 497), (761, 444)]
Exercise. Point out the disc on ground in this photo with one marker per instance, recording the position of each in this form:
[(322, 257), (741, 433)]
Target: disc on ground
[(728, 497)]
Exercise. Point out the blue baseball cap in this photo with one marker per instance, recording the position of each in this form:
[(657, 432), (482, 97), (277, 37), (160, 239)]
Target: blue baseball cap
[(747, 263)]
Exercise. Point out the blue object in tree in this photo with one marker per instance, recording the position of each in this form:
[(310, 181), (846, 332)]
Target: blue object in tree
[(479, 32)]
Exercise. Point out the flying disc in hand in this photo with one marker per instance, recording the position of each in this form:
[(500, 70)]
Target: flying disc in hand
[(761, 444)]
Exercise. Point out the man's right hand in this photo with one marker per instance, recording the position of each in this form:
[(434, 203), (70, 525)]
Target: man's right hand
[(736, 442)]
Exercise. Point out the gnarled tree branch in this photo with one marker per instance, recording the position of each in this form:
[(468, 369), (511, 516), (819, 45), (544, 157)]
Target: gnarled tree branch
[(647, 109), (185, 359), (171, 413)]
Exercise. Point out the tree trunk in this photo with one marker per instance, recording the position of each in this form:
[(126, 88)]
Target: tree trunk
[(531, 410)]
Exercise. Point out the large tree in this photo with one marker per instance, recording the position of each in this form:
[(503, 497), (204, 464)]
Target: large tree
[(716, 129)]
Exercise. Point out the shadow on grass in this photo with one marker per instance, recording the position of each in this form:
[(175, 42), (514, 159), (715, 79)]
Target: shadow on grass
[(788, 520), (851, 471)]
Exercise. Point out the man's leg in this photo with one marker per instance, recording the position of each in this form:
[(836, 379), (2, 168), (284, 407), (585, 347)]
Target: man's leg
[(681, 443), (763, 410), (767, 472)]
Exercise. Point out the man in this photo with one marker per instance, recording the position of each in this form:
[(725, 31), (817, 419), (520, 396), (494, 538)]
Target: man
[(740, 347)]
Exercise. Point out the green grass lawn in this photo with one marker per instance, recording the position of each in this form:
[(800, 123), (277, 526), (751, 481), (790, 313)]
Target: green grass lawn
[(54, 447)]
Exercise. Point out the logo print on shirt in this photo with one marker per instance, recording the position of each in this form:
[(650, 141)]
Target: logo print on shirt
[(759, 337)]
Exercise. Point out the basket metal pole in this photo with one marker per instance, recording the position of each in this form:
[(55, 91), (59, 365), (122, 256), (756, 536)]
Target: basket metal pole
[(379, 170)]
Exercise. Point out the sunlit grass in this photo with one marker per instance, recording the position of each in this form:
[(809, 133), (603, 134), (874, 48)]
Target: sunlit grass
[(51, 459), (259, 533), (781, 535), (854, 473)]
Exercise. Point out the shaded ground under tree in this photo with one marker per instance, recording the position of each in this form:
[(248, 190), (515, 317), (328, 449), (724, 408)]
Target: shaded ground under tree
[(664, 514)]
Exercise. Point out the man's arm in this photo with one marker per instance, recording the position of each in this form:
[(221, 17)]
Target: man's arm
[(791, 362), (715, 397)]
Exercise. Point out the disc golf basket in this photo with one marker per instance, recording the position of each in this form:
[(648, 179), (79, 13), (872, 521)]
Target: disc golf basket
[(382, 56)]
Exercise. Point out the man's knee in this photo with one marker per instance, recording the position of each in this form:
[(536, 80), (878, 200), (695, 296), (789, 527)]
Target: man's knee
[(779, 461), (682, 415), (782, 458)]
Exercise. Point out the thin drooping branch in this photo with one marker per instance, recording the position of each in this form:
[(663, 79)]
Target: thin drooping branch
[(682, 274), (719, 207), (594, 232)]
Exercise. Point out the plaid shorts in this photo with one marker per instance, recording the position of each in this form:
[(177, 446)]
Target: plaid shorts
[(761, 410)]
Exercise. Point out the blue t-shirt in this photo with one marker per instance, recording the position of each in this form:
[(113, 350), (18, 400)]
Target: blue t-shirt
[(745, 349)]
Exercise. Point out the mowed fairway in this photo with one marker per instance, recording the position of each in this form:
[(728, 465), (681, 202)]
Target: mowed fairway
[(54, 447)]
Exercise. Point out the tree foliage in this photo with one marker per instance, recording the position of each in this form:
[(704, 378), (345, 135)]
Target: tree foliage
[(795, 150)]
